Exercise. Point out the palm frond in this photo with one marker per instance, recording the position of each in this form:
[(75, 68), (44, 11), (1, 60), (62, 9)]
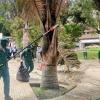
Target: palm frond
[(30, 8), (33, 8)]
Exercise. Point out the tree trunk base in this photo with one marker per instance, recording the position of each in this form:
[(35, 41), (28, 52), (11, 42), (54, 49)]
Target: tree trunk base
[(49, 78)]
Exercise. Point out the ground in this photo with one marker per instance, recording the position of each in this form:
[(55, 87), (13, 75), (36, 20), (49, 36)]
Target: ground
[(86, 79)]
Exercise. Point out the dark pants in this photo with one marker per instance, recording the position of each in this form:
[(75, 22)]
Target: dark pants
[(99, 56), (85, 55), (4, 73)]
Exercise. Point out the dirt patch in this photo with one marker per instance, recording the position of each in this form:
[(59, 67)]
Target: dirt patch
[(71, 77)]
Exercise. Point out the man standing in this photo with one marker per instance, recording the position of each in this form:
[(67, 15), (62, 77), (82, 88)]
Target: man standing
[(85, 53), (26, 65), (99, 56), (4, 70)]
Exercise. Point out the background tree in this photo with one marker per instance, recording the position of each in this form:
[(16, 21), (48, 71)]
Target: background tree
[(69, 34), (75, 20), (80, 11), (12, 25), (78, 17), (16, 31), (4, 26), (97, 7)]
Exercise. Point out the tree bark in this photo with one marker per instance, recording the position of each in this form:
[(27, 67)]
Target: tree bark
[(50, 44), (49, 77), (25, 35), (50, 57)]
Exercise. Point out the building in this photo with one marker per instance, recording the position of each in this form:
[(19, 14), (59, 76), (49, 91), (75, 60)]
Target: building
[(89, 37)]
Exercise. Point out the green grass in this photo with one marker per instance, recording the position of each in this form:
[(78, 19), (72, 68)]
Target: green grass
[(44, 94), (92, 53), (39, 91)]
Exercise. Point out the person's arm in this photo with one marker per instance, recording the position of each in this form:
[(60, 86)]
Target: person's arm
[(8, 54), (2, 58), (22, 54)]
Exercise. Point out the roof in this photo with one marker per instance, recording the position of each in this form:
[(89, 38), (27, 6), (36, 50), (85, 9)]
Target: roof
[(90, 30), (89, 36)]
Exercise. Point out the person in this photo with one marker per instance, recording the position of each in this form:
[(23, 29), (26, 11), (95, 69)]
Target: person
[(26, 66), (10, 49), (99, 55), (4, 70), (27, 57), (34, 49), (14, 51), (38, 53), (85, 53)]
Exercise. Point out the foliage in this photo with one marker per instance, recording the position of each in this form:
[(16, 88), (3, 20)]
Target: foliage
[(65, 40), (5, 16), (34, 32), (75, 30), (13, 25), (80, 11), (75, 19), (97, 4), (4, 9), (69, 34), (4, 26), (16, 27), (16, 30), (68, 58)]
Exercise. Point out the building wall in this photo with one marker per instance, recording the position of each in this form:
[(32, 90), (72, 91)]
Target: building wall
[(88, 41)]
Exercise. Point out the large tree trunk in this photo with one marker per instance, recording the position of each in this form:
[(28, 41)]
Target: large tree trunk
[(25, 35), (49, 50), (50, 57), (50, 11), (49, 77)]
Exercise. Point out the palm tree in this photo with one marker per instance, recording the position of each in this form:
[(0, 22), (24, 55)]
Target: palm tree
[(47, 12)]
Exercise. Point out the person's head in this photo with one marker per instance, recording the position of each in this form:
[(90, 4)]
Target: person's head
[(29, 48), (4, 43)]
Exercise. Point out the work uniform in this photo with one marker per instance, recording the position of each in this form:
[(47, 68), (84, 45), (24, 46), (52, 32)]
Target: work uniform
[(26, 57), (4, 71), (26, 65)]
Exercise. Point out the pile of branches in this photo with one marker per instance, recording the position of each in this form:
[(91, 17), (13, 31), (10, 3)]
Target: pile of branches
[(69, 58)]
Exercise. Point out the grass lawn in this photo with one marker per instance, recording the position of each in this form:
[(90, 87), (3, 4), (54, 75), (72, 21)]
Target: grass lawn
[(92, 53)]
